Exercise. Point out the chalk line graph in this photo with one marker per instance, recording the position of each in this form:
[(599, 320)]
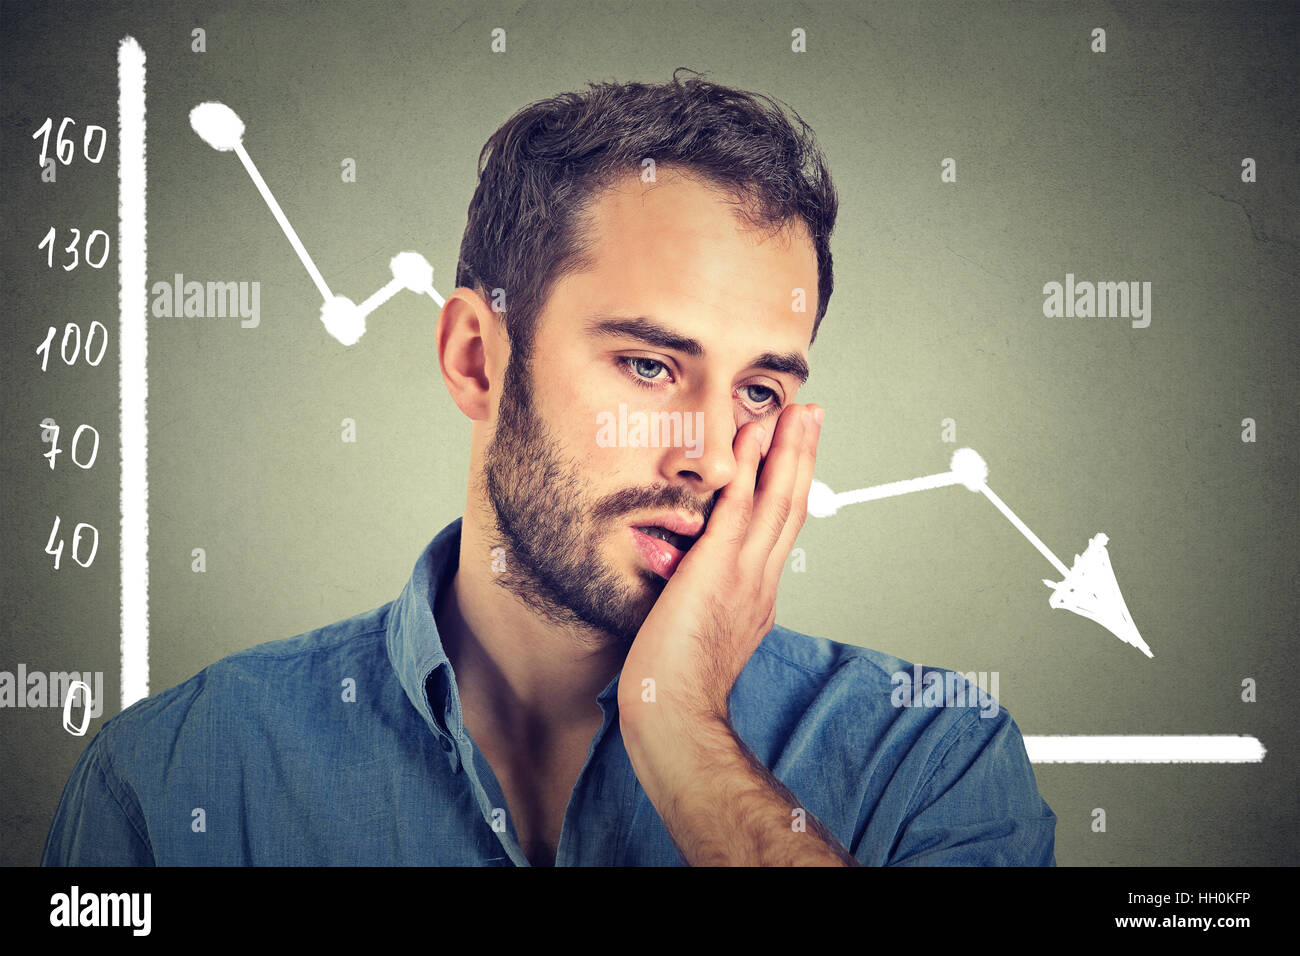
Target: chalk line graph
[(222, 129), (1088, 587), (345, 320)]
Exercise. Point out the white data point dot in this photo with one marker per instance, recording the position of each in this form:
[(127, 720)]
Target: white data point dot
[(970, 468), (412, 270), (821, 500), (218, 124), (343, 319)]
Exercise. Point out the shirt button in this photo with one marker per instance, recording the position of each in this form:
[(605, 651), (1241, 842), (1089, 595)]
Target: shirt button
[(446, 744)]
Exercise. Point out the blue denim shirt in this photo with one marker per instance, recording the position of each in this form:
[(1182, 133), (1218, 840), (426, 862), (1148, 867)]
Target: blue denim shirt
[(345, 745)]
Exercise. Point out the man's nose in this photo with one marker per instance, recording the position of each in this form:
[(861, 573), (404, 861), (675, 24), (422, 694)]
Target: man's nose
[(705, 459)]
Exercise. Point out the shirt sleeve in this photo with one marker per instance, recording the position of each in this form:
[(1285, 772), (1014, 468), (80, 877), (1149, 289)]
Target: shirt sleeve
[(981, 806), (98, 821)]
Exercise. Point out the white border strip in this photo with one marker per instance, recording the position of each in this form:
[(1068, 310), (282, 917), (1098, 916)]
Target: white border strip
[(1167, 748), (133, 386)]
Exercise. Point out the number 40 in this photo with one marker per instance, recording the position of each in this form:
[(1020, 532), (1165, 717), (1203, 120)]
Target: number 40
[(76, 544)]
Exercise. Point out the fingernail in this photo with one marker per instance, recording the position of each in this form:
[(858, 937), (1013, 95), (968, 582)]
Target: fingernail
[(819, 413)]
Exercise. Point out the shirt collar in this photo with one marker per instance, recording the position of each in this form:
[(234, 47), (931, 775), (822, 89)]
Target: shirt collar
[(415, 648)]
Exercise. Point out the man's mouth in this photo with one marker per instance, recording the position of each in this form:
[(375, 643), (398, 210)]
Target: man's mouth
[(663, 547), (679, 541)]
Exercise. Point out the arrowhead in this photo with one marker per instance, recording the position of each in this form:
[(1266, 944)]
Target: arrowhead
[(1090, 590)]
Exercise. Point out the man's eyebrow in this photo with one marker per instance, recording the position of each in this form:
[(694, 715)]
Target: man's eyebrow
[(791, 363), (652, 333), (639, 327)]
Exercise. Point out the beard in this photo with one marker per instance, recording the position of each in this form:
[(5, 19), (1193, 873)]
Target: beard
[(552, 526)]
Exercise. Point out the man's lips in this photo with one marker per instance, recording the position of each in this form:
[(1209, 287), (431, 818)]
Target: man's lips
[(664, 539)]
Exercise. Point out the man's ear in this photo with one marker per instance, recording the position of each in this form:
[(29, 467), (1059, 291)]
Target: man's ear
[(468, 339)]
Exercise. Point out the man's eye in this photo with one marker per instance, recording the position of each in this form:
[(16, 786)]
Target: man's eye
[(645, 369), (765, 395)]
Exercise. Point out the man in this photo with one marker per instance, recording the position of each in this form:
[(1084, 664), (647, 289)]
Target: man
[(584, 670)]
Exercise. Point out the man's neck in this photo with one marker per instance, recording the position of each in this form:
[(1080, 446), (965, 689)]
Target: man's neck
[(520, 673)]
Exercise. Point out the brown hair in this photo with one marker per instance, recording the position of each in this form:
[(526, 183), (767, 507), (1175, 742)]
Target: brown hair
[(540, 171)]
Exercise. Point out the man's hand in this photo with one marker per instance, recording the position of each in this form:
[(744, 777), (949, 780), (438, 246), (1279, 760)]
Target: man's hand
[(720, 804), (721, 600)]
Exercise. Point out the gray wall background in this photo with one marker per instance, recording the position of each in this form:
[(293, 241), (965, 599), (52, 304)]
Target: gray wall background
[(1116, 166)]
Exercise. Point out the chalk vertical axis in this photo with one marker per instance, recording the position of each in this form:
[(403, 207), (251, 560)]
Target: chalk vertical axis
[(133, 382)]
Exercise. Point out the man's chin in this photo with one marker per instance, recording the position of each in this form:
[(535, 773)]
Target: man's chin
[(642, 589), (621, 605), (643, 582)]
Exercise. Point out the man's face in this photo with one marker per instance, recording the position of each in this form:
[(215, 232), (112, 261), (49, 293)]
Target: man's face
[(642, 371)]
